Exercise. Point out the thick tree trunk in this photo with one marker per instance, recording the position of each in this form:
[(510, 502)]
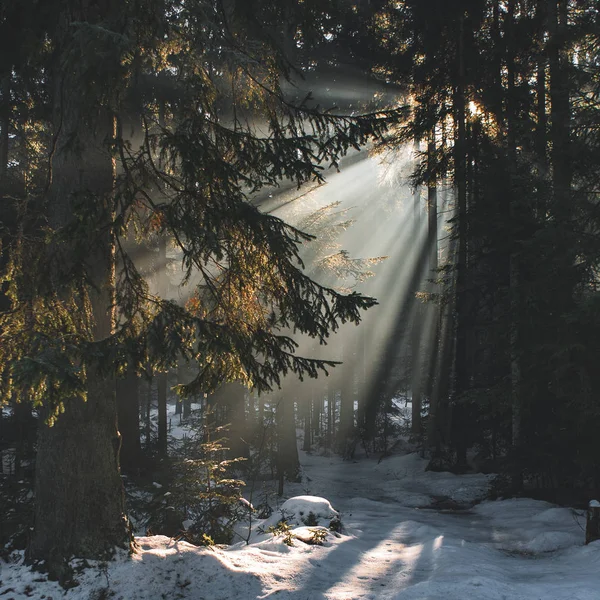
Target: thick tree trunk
[(79, 506)]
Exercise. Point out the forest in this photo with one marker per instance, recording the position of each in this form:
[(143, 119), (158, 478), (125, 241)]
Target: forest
[(251, 251)]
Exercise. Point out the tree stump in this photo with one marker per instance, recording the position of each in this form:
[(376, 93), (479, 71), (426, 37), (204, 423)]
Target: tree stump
[(592, 528)]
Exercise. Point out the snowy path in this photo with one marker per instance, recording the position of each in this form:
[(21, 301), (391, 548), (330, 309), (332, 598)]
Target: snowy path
[(512, 550), (391, 549)]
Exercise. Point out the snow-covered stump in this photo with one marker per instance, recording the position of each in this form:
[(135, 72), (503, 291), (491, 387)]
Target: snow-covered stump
[(592, 527)]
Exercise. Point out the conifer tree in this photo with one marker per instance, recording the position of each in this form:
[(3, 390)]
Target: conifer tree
[(216, 68)]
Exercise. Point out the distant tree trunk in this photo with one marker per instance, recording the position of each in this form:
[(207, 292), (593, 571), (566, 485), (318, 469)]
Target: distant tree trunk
[(307, 404), (179, 403), (161, 439), (417, 328), (541, 126), (330, 395), (238, 434), (317, 398), (148, 415), (432, 343), (461, 374), (4, 127), (514, 271), (79, 504), (129, 420), (187, 407), (162, 377), (346, 428), (288, 460), (560, 108), (363, 384)]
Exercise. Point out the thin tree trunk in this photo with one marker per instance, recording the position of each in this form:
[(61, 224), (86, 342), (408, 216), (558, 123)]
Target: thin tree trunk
[(148, 415), (461, 375), (306, 443), (514, 275), (162, 377), (416, 331), (128, 406), (4, 127), (346, 427), (434, 333), (162, 385), (330, 395)]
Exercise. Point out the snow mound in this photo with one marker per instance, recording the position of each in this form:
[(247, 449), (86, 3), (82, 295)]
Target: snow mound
[(550, 541), (301, 511), (555, 515), (415, 531)]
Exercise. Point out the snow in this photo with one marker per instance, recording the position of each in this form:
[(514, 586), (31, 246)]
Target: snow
[(296, 511), (393, 546), (594, 504)]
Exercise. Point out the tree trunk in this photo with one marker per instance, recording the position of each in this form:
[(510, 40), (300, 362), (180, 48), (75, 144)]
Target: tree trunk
[(330, 395), (5, 109), (287, 448), (129, 420), (238, 434), (187, 407), (416, 330), (461, 375), (306, 443), (79, 504), (592, 528), (162, 384), (346, 427), (148, 415), (433, 334), (514, 271)]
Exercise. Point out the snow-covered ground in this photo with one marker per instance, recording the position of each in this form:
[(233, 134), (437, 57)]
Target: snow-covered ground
[(391, 547)]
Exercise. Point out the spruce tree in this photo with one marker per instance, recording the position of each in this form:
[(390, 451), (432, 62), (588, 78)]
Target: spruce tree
[(77, 298)]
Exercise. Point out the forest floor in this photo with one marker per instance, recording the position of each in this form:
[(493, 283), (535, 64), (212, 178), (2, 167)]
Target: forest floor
[(391, 547)]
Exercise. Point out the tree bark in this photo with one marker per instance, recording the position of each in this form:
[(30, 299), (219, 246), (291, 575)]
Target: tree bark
[(4, 127), (514, 270), (288, 460), (346, 427), (461, 374), (162, 385), (432, 343), (79, 504), (128, 406), (592, 528), (238, 434), (416, 330)]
